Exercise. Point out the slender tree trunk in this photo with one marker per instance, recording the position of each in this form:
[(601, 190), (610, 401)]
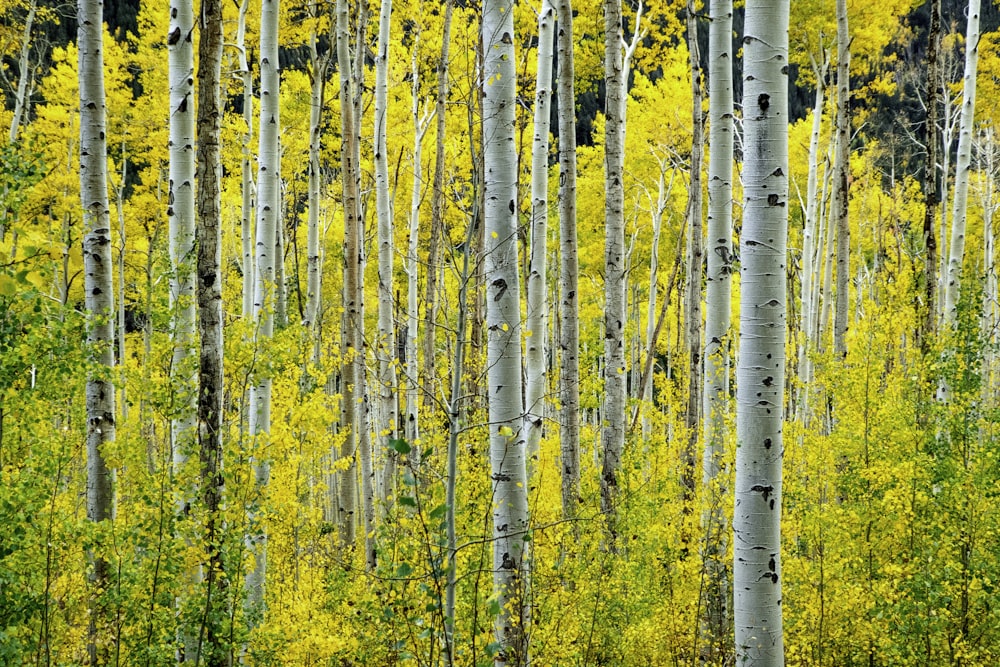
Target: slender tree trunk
[(437, 218), (212, 643), (99, 304), (760, 370), (692, 302), (537, 373), (841, 182), (503, 315), (23, 68), (386, 343), (646, 379), (958, 215), (247, 212), (613, 422), (715, 618), (180, 213), (931, 196), (268, 206), (569, 305), (320, 65)]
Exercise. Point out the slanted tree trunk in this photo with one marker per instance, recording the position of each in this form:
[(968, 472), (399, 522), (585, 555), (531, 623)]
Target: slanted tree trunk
[(569, 305), (957, 249), (213, 649), (613, 426), (503, 317), (437, 218), (99, 305), (715, 618), (268, 205), (760, 370), (385, 346), (537, 375), (841, 181), (180, 213)]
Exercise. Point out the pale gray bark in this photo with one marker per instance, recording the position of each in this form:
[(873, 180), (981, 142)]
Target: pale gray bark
[(537, 375), (646, 379), (715, 625), (180, 213), (569, 304), (613, 419), (268, 205), (23, 68), (246, 171), (99, 305), (385, 345), (503, 317), (957, 248), (760, 371), (318, 70), (841, 182)]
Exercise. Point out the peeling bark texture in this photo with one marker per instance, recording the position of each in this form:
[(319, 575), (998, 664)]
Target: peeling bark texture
[(537, 375), (957, 250), (569, 305), (613, 422), (760, 371), (180, 213), (100, 308), (268, 204), (841, 182), (718, 289), (437, 218), (212, 643), (503, 319), (385, 346)]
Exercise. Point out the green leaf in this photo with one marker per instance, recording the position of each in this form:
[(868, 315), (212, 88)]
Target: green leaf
[(400, 445), (407, 501), (404, 570), (439, 511)]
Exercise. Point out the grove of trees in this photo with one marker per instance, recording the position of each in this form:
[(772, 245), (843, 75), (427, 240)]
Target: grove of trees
[(499, 333)]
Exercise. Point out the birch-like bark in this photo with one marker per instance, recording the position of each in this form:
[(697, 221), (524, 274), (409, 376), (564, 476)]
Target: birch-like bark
[(23, 67), (613, 422), (437, 217), (99, 305), (268, 204), (692, 301), (646, 379), (760, 370), (180, 213), (537, 375), (958, 215), (930, 184), (212, 647), (569, 305), (246, 170), (715, 623), (385, 346), (319, 66), (503, 318), (841, 181)]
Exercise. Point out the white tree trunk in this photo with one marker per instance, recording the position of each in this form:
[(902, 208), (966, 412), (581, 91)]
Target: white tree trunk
[(569, 305), (841, 182), (268, 204), (760, 371), (715, 627), (98, 301), (23, 67), (957, 246), (662, 194), (247, 212), (319, 66), (537, 375), (180, 213), (503, 318), (385, 346), (613, 419)]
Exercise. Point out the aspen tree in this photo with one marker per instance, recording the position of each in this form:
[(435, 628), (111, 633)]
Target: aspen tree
[(99, 305), (930, 184), (180, 212), (268, 205), (208, 176), (537, 375), (246, 169), (760, 370), (386, 344), (962, 166), (569, 304), (503, 318), (437, 215), (717, 316), (841, 182), (319, 65), (613, 426)]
